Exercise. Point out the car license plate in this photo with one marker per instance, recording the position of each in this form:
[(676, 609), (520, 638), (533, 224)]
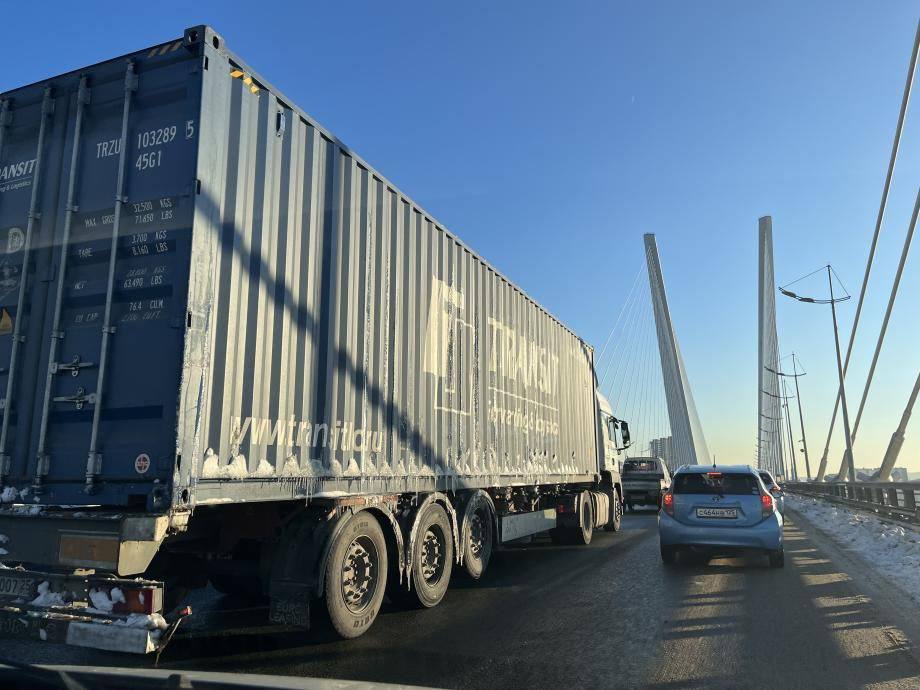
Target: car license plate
[(724, 513), (16, 586)]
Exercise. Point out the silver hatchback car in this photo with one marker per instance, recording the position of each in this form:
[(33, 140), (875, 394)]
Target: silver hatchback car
[(720, 510)]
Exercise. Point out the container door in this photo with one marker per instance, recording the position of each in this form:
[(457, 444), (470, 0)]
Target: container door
[(95, 382)]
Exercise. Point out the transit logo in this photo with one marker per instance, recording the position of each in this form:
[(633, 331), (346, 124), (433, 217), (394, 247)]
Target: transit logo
[(448, 334), (16, 175)]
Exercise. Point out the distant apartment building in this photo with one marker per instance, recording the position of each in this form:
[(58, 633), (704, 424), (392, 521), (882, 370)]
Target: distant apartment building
[(661, 448)]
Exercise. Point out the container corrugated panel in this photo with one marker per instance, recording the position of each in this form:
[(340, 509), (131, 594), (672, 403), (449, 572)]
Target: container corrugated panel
[(317, 332)]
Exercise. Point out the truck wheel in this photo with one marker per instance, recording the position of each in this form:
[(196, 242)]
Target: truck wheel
[(477, 549), (432, 557), (668, 554), (356, 576), (616, 512), (583, 533)]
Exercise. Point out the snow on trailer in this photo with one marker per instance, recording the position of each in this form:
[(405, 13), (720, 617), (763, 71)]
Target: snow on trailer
[(262, 366)]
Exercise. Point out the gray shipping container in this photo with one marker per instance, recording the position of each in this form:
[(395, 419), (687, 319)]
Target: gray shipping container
[(205, 297)]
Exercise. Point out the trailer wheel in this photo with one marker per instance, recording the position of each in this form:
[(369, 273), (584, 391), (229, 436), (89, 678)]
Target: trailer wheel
[(616, 512), (432, 560), (477, 547), (356, 576)]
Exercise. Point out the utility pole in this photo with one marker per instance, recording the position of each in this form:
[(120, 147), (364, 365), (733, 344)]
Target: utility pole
[(843, 393), (798, 399)]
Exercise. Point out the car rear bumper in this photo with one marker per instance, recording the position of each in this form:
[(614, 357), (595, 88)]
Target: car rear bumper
[(766, 535)]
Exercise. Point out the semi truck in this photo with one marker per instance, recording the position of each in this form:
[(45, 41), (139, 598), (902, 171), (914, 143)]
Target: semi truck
[(235, 354)]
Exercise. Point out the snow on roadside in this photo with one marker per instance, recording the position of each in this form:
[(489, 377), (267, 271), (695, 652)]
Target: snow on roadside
[(892, 549)]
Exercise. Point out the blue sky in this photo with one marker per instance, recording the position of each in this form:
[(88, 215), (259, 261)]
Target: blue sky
[(551, 136)]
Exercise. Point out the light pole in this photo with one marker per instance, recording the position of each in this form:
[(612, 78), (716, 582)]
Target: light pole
[(784, 405), (798, 397), (842, 391)]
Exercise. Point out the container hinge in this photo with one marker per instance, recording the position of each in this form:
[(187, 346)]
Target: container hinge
[(48, 107), (280, 124), (94, 466), (44, 463), (131, 81), (79, 399), (83, 94), (73, 366)]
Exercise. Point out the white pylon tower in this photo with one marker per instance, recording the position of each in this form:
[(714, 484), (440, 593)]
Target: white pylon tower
[(688, 445), (769, 405)]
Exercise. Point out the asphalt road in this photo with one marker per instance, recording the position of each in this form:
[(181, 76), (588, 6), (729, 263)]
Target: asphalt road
[(606, 615)]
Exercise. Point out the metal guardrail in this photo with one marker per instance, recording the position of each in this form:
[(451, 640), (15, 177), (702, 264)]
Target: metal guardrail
[(897, 500)]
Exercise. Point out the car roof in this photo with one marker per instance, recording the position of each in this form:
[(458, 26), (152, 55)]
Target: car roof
[(702, 469)]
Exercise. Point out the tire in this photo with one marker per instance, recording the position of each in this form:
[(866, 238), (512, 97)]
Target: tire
[(668, 554), (478, 541), (777, 558), (432, 560), (582, 534), (356, 576), (616, 512)]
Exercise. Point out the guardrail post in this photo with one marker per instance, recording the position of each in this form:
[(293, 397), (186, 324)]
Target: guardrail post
[(893, 498)]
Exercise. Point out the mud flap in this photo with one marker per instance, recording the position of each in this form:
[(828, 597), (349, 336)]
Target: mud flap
[(290, 604)]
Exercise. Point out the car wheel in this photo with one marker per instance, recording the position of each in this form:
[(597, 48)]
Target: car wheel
[(668, 554), (777, 558)]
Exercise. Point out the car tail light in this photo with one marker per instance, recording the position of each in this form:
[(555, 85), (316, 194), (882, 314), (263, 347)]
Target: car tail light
[(668, 503), (766, 504)]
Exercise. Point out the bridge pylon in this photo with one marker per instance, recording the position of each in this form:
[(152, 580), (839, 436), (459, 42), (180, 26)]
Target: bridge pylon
[(688, 445)]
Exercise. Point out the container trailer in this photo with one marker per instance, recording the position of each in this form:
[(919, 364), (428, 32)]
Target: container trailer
[(234, 353)]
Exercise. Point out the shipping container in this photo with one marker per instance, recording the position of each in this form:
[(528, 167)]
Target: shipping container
[(237, 303), (208, 299)]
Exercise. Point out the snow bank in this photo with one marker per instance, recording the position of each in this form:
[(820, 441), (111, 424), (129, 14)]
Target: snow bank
[(892, 549), (8, 495)]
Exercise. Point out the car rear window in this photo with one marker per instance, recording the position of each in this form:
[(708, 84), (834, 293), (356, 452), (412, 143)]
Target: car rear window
[(640, 466), (732, 483), (767, 479)]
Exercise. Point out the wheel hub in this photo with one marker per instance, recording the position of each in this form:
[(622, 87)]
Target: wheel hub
[(477, 536), (359, 574), (432, 556)]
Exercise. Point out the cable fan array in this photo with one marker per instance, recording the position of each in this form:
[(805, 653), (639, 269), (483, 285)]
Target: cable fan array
[(629, 373)]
